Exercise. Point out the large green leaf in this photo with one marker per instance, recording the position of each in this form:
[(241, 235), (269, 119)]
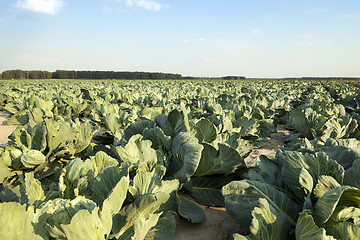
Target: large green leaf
[(4, 170), (301, 171), (345, 156), (207, 130), (142, 207), (266, 170), (241, 197), (186, 154), (17, 222), (306, 229), (111, 185), (158, 138), (137, 151), (324, 184), (207, 190), (101, 160), (84, 134), (31, 136), (141, 227), (147, 182), (341, 127), (190, 211), (59, 134), (224, 160), (308, 122), (162, 122), (86, 225), (334, 200), (33, 191), (179, 121), (352, 175), (267, 224), (165, 227), (77, 176), (345, 231)]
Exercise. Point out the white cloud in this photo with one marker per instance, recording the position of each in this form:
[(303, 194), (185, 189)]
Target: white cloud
[(146, 4), (43, 6), (2, 20), (255, 30)]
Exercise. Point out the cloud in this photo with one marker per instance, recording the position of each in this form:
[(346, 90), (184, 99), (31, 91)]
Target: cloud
[(255, 30), (146, 4), (42, 6), (2, 20), (199, 39)]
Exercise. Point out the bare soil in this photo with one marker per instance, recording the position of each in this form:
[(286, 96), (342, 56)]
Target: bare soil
[(269, 148), (5, 130), (219, 225)]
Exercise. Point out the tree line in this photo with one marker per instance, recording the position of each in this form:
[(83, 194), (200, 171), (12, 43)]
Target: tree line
[(72, 74), (20, 74)]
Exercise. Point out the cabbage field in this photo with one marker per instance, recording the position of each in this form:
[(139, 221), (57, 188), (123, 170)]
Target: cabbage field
[(113, 159)]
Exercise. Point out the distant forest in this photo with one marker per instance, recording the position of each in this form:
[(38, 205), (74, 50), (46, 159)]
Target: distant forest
[(72, 74)]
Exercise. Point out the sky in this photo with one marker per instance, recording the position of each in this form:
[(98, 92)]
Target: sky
[(200, 38)]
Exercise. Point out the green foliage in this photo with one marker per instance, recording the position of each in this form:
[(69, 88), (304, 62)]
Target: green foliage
[(112, 159)]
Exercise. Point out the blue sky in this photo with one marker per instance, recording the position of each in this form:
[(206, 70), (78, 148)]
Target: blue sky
[(254, 38)]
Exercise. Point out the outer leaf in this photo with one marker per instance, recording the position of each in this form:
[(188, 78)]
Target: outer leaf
[(298, 166), (186, 157), (346, 231), (31, 136), (34, 192), (226, 160), (352, 175), (324, 184), (141, 227), (343, 155), (267, 223), (190, 211), (141, 207), (4, 170), (306, 229), (111, 184), (266, 170), (16, 222), (157, 137), (179, 121), (161, 120), (336, 198), (241, 197), (207, 190), (59, 134), (85, 225), (147, 182), (207, 129), (137, 151), (84, 134), (165, 227), (101, 160), (117, 196)]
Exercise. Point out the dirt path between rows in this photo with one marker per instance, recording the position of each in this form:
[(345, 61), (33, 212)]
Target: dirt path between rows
[(5, 130), (269, 148)]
